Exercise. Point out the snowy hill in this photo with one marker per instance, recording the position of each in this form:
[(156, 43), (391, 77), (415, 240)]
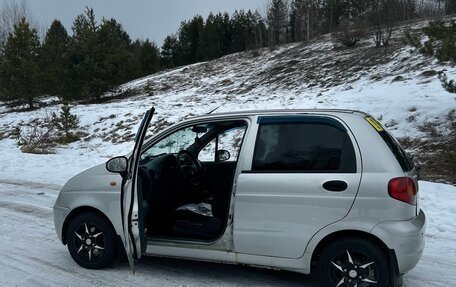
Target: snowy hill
[(396, 85)]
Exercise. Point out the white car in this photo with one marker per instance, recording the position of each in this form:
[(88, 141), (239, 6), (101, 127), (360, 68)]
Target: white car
[(328, 192)]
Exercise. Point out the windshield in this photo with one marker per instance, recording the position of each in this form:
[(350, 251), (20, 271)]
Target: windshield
[(173, 143)]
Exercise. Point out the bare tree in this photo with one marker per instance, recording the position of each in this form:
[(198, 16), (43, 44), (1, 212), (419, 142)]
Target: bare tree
[(383, 20), (303, 14), (432, 8), (11, 12), (440, 6), (406, 9)]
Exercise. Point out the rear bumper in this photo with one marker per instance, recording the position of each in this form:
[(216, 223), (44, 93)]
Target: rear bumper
[(406, 238), (60, 213)]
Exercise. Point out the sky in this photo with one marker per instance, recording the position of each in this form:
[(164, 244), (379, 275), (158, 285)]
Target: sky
[(152, 19)]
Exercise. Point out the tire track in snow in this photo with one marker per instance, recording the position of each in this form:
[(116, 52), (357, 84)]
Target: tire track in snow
[(32, 184), (31, 210)]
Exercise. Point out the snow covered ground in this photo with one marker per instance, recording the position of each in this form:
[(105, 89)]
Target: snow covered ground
[(31, 255)]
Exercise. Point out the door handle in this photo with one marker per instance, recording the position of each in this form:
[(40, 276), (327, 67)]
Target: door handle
[(335, 185)]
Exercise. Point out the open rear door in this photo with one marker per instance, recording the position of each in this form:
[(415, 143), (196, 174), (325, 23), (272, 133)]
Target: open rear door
[(133, 238)]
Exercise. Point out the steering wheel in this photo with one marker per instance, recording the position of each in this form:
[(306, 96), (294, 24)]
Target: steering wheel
[(190, 167)]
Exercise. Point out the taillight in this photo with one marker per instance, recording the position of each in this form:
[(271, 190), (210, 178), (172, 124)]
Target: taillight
[(403, 189)]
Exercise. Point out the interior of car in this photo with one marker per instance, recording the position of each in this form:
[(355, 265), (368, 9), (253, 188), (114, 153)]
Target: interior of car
[(185, 180)]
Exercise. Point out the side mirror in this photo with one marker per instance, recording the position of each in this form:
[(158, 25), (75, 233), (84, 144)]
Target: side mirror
[(117, 164), (223, 155)]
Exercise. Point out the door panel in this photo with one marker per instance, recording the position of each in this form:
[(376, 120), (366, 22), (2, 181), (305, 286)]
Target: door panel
[(217, 170), (220, 180), (302, 175), (130, 209), (276, 214)]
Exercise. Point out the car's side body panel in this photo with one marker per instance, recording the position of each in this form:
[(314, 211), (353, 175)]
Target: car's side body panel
[(296, 265), (399, 234), (276, 207), (272, 209), (379, 166), (405, 237), (96, 188)]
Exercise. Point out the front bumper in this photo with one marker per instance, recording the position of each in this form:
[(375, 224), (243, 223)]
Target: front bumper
[(406, 238), (60, 213)]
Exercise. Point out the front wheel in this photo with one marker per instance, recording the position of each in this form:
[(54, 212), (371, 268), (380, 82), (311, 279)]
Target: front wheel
[(353, 262), (91, 241)]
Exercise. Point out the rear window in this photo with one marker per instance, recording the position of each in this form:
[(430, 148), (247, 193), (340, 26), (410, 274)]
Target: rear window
[(303, 144), (399, 153)]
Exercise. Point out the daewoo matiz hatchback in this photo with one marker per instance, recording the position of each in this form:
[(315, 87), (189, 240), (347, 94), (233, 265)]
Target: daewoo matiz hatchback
[(328, 192)]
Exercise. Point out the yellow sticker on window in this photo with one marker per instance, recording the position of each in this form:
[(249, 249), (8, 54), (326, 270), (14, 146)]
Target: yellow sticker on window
[(374, 124)]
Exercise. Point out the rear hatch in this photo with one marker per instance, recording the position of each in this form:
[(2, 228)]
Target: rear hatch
[(405, 161)]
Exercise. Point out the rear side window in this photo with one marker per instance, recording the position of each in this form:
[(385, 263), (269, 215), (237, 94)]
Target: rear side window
[(399, 153), (303, 144)]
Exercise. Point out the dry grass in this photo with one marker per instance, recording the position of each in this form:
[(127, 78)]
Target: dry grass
[(436, 152)]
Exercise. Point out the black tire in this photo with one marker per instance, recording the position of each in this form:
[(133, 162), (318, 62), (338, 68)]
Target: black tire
[(91, 241), (341, 264)]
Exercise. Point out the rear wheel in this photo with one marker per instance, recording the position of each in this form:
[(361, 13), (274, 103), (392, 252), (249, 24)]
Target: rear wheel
[(91, 241), (354, 263)]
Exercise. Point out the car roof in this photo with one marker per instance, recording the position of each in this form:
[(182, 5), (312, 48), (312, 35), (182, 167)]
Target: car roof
[(273, 112)]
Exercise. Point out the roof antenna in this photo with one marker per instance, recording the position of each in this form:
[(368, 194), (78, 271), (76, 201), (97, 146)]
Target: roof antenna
[(214, 110)]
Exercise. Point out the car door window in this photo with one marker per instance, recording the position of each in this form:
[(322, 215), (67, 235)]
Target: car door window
[(229, 140), (208, 152), (309, 144)]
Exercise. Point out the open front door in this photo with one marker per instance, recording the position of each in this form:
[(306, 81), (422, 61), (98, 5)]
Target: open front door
[(133, 238)]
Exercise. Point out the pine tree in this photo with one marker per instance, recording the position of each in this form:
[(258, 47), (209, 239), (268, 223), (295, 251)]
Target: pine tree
[(149, 58), (19, 70), (66, 122), (210, 47), (2, 91), (253, 29), (303, 16), (277, 22), (54, 60), (448, 85), (170, 52), (442, 40), (117, 61), (225, 31), (246, 30), (189, 37), (239, 27), (296, 21), (333, 11), (100, 57), (261, 34), (85, 68)]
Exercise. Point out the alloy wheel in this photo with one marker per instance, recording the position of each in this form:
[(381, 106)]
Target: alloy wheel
[(90, 242), (353, 268)]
